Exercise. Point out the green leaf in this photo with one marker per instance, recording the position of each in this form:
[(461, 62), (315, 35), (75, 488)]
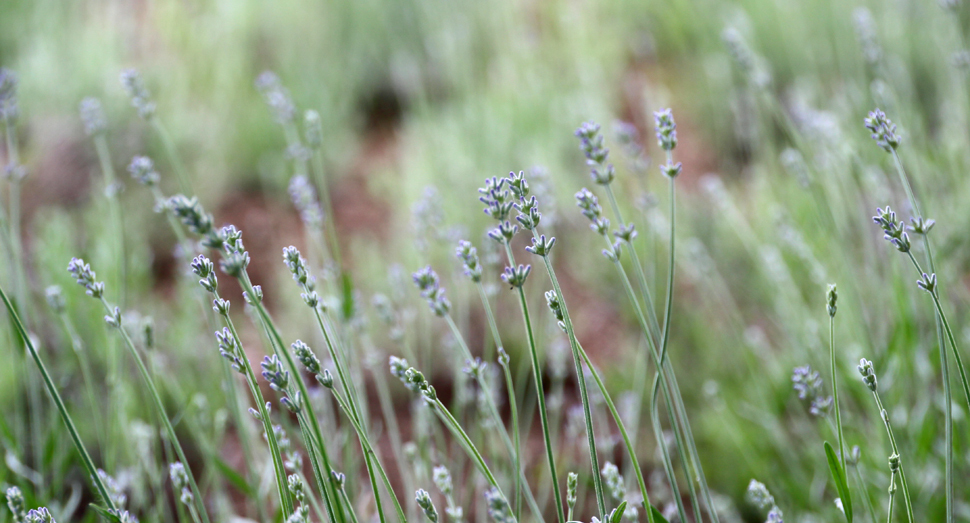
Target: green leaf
[(657, 516), (348, 296), (618, 512), (233, 476), (838, 475), (105, 513)]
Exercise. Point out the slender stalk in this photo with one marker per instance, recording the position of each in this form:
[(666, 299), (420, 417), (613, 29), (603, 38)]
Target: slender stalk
[(665, 338), (541, 399), (13, 234), (641, 276), (892, 442), (319, 475), (349, 504), (659, 385), (835, 390), (183, 178), (493, 412), (331, 226), (117, 221), (892, 497), (865, 493), (286, 504), (78, 346), (666, 368), (59, 403), (276, 341), (442, 411), (368, 450), (940, 322), (162, 414), (948, 331), (623, 433), (513, 410), (581, 378)]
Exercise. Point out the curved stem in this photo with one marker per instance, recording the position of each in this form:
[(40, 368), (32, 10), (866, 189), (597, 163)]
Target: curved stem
[(517, 461), (162, 414), (892, 442), (59, 403), (493, 412), (835, 391), (184, 183), (541, 398), (581, 378)]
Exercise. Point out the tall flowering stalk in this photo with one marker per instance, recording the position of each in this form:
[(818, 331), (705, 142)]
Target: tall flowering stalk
[(427, 282), (86, 278), (231, 348), (895, 460), (349, 402), (883, 131), (498, 201), (144, 104), (90, 468)]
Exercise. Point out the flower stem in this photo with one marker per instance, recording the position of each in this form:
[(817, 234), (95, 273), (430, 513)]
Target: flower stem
[(541, 399), (162, 414), (59, 403)]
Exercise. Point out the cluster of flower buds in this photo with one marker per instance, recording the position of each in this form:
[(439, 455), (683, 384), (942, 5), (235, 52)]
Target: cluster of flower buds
[(895, 231), (883, 130), (591, 143), (180, 482), (427, 282), (868, 374), (423, 500), (304, 198), (469, 258), (299, 268), (516, 276), (809, 386), (831, 296), (142, 169), (92, 116), (141, 99), (229, 348), (498, 506), (307, 357), (8, 94), (86, 278), (276, 97)]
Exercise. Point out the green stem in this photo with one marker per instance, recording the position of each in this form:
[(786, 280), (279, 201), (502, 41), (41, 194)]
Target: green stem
[(350, 506), (276, 341), (281, 482), (659, 385), (892, 441), (493, 412), (78, 346), (623, 433), (117, 221), (162, 414), (541, 399), (513, 409), (940, 322), (835, 391), (581, 378), (369, 451), (184, 184), (865, 493), (59, 403)]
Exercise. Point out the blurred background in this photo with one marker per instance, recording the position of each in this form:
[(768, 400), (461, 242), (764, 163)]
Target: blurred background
[(421, 100)]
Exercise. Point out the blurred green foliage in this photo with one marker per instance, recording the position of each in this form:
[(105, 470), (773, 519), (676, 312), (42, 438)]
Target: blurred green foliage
[(432, 92)]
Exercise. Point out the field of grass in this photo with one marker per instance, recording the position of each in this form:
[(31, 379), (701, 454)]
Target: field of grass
[(369, 136)]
